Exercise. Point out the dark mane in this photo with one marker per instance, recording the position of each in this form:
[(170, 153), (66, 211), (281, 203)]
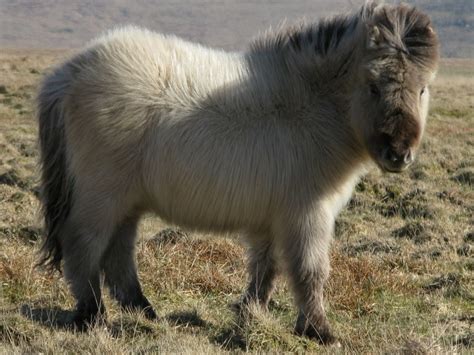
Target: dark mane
[(320, 38), (402, 28)]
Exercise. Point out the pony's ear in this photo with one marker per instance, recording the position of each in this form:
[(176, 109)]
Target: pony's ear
[(430, 30), (375, 37)]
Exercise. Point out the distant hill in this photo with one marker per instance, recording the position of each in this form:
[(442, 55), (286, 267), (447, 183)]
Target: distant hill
[(227, 23)]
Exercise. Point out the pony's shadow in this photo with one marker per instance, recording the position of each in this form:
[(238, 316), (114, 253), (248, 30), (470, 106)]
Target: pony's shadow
[(231, 339), (187, 319), (228, 338), (59, 319), (52, 317)]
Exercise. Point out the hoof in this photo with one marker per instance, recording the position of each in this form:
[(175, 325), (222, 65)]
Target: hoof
[(246, 303), (141, 306), (323, 335), (87, 316), (82, 322), (150, 313)]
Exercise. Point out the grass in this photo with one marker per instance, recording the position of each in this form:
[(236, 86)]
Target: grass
[(402, 270)]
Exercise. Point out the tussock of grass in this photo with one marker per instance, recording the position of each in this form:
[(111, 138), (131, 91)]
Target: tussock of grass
[(357, 282), (464, 176), (191, 263), (402, 266)]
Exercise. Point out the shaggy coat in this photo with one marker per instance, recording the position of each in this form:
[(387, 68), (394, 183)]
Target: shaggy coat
[(269, 143)]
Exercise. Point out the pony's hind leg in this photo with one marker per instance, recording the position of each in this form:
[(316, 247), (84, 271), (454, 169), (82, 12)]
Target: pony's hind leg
[(83, 246), (85, 238), (121, 272), (262, 270)]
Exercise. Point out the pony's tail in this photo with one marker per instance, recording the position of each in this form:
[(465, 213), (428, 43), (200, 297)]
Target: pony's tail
[(56, 181)]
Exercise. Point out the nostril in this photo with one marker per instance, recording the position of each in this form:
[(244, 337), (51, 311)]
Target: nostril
[(408, 157), (395, 158), (391, 156)]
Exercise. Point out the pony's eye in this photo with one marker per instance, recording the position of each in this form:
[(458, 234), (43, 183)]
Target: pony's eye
[(422, 92), (374, 90)]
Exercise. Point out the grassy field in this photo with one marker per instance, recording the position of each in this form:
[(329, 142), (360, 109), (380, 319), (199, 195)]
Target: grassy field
[(402, 258)]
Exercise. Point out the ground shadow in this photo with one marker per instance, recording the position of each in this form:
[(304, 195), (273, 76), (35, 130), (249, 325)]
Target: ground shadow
[(230, 338), (187, 319), (59, 319), (128, 327), (52, 317)]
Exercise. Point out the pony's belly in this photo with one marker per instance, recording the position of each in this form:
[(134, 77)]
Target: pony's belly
[(212, 208), (203, 174), (200, 196)]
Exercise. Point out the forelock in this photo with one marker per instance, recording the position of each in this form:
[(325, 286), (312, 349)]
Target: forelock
[(409, 31)]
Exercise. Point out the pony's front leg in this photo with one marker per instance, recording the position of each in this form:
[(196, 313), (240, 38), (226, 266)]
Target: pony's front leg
[(305, 245)]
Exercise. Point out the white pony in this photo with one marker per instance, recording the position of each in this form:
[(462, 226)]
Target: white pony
[(268, 143)]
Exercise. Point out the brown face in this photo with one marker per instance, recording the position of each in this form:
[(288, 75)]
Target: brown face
[(390, 113), (399, 57)]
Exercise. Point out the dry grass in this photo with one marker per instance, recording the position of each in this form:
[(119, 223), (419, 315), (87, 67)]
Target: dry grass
[(402, 278)]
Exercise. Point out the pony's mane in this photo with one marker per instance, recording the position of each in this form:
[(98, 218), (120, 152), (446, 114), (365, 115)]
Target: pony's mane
[(319, 37), (400, 27)]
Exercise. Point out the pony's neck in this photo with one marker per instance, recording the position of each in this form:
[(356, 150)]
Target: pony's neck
[(310, 73), (321, 55), (295, 68), (272, 85), (300, 91)]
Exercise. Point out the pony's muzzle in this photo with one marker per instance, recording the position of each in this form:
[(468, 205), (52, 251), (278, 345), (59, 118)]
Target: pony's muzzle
[(394, 161)]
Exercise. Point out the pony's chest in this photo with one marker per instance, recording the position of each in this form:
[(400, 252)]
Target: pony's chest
[(339, 199)]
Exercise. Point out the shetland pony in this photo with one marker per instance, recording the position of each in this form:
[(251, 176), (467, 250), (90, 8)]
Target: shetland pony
[(268, 143)]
